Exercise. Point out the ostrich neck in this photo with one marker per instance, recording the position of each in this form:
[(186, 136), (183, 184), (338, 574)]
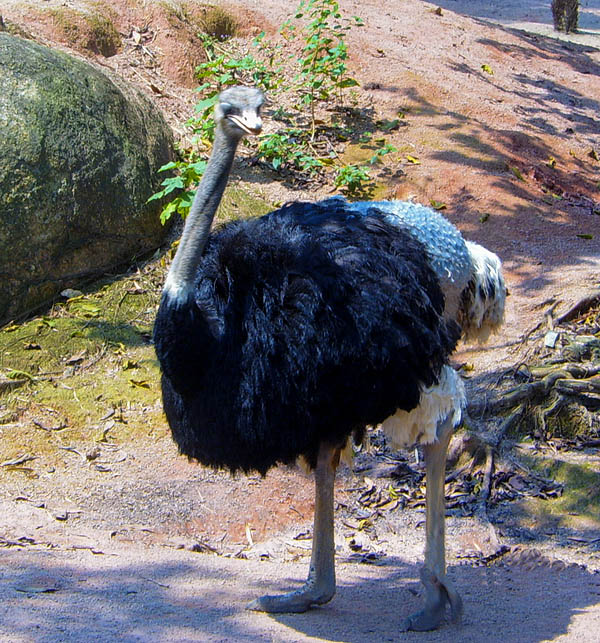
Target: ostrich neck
[(180, 280)]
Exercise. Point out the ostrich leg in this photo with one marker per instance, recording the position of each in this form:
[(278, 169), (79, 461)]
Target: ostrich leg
[(320, 585), (438, 589)]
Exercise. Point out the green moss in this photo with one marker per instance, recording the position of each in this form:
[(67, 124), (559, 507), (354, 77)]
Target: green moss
[(239, 203), (90, 355)]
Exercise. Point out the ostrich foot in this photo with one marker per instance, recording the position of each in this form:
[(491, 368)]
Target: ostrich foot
[(297, 601), (319, 587), (437, 593)]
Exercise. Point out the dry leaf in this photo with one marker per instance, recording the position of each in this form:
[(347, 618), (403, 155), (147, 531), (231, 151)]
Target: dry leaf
[(249, 535), (77, 358), (437, 205), (18, 460), (139, 383), (37, 589)]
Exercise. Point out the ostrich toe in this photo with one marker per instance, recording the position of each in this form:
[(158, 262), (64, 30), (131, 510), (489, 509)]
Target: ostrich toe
[(438, 592)]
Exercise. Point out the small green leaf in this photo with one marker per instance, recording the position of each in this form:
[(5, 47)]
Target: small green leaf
[(516, 172), (19, 375), (347, 82), (586, 236), (388, 126), (413, 159), (167, 166), (437, 205), (168, 210), (45, 322), (207, 103), (85, 308), (487, 69)]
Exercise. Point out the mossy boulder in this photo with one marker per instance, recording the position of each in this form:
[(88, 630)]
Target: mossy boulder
[(78, 161)]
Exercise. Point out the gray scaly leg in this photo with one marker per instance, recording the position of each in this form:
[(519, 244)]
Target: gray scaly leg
[(320, 585), (438, 588)]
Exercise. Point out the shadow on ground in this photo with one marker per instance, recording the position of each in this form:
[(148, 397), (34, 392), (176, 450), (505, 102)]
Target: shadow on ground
[(191, 597)]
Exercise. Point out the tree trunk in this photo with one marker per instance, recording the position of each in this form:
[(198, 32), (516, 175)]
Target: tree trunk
[(565, 14)]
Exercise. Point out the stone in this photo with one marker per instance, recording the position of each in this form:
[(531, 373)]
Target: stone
[(79, 157)]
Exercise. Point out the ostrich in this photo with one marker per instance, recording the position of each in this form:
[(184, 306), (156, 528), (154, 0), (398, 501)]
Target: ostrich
[(284, 335)]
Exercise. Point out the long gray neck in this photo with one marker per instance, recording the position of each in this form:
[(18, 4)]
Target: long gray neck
[(180, 279)]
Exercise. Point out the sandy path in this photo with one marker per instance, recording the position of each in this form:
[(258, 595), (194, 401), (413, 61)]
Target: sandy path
[(534, 16), (160, 595)]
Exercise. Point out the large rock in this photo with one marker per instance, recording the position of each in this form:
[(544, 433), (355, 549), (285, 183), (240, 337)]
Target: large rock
[(78, 160)]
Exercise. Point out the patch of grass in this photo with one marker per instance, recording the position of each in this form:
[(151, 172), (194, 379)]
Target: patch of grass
[(88, 357), (238, 203), (219, 23), (92, 31), (14, 29), (581, 495)]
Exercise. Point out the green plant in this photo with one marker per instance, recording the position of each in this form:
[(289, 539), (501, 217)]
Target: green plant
[(189, 173), (220, 71), (323, 69), (288, 148), (355, 180), (386, 148)]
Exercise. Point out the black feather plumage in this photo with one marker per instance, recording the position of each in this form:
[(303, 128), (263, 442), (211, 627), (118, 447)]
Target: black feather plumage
[(306, 325)]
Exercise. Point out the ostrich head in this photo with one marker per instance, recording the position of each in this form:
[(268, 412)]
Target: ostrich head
[(236, 114), (237, 111)]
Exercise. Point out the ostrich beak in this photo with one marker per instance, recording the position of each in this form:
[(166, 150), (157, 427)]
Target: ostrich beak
[(249, 121)]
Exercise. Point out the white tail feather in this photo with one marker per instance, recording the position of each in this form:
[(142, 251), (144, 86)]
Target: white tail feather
[(482, 309)]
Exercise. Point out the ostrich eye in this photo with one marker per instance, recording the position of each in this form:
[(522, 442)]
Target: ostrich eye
[(226, 108)]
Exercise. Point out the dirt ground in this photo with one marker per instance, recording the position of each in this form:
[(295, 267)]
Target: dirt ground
[(148, 547)]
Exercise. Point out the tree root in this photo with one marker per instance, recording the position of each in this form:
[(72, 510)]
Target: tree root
[(572, 380), (580, 308)]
